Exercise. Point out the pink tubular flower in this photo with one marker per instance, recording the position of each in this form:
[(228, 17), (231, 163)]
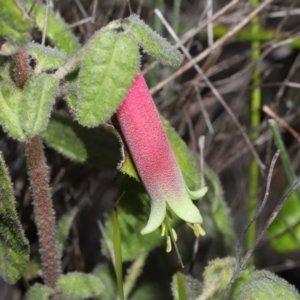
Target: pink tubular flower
[(154, 159)]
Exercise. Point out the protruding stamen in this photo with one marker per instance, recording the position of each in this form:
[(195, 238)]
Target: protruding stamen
[(174, 234), (198, 230), (163, 229), (169, 244)]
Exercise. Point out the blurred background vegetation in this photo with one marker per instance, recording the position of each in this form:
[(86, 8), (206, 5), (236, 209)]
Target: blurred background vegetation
[(255, 71)]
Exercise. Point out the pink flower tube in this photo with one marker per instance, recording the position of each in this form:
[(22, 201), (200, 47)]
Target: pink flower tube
[(154, 158)]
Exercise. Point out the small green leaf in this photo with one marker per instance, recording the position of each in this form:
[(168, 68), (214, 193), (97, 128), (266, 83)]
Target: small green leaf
[(45, 58), (57, 30), (193, 287), (152, 42), (217, 221), (95, 146), (14, 249), (64, 226), (10, 101), (37, 100), (79, 285), (38, 292), (108, 68), (265, 285), (15, 26), (217, 276), (284, 232)]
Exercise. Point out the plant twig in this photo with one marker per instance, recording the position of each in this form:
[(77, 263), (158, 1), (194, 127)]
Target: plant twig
[(216, 45), (45, 24), (194, 31), (214, 90), (240, 263), (283, 123)]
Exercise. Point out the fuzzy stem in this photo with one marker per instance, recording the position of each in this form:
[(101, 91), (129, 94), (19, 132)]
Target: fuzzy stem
[(43, 210), (39, 179)]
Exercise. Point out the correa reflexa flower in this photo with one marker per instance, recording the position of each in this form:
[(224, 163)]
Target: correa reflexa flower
[(155, 161)]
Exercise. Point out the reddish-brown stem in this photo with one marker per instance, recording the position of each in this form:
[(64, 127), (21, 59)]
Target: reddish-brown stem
[(43, 210), (39, 180)]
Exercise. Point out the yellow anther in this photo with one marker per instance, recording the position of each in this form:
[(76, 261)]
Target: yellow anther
[(198, 230), (163, 229), (174, 235), (169, 244)]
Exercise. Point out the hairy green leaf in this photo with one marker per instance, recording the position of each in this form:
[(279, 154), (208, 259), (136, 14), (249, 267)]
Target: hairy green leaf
[(45, 58), (15, 26), (249, 284), (193, 287), (265, 285), (95, 146), (64, 226), (14, 249), (10, 101), (79, 285), (113, 60), (37, 100), (152, 42), (38, 292), (57, 30), (217, 276)]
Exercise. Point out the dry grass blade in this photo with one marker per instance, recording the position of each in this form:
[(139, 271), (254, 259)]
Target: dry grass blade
[(216, 45), (283, 123), (214, 90)]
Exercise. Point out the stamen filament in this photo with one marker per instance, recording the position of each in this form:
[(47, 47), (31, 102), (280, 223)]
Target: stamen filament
[(163, 229)]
